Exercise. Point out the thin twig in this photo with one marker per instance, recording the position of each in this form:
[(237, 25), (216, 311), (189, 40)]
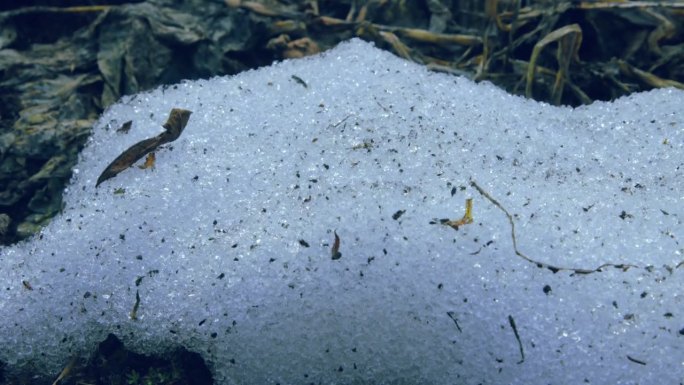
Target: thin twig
[(553, 268)]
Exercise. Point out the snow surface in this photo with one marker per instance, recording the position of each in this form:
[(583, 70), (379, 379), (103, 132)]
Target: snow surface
[(228, 239)]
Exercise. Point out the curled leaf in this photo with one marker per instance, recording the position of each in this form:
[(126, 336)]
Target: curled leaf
[(178, 119)]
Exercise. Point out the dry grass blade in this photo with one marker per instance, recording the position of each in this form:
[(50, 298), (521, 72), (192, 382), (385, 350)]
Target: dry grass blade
[(178, 119), (569, 41), (665, 30), (399, 48), (631, 4), (259, 9), (86, 8), (328, 21), (491, 11), (647, 77), (65, 372), (425, 36)]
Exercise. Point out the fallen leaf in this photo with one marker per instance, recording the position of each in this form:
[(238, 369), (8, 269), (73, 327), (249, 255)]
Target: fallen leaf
[(336, 248), (178, 119)]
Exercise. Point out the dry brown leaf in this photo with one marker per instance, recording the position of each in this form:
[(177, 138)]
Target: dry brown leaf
[(335, 252), (178, 119)]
